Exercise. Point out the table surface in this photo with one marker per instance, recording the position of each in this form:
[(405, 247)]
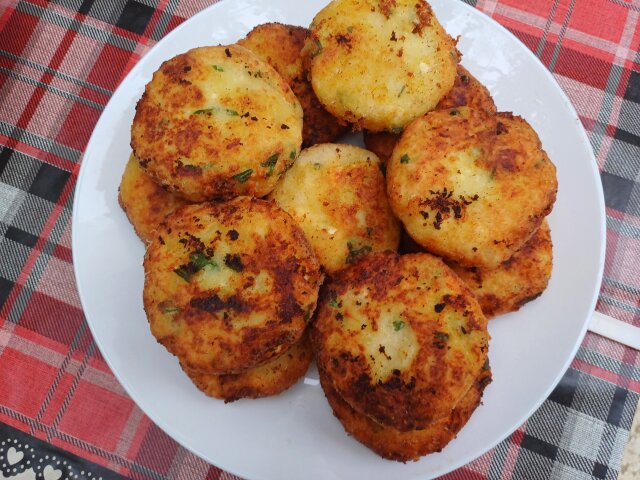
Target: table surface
[(62, 412)]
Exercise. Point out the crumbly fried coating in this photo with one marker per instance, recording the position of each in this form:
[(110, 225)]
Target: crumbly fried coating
[(269, 379), (343, 208), (381, 143), (469, 186), (400, 338), (515, 281), (466, 91), (413, 444), (280, 45), (217, 122), (229, 286), (144, 201), (379, 63)]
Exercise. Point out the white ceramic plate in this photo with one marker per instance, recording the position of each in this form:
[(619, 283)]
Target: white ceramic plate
[(295, 435)]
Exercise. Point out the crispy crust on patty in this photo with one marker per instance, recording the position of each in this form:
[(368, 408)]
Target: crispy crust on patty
[(413, 444), (280, 45), (229, 286), (144, 201), (515, 281), (470, 186), (269, 379), (217, 122), (401, 338), (466, 91)]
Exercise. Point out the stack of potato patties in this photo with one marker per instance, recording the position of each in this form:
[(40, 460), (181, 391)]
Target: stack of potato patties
[(230, 280), (243, 226), (401, 342)]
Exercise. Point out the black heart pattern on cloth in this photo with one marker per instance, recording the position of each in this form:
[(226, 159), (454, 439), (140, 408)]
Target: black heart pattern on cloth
[(26, 457)]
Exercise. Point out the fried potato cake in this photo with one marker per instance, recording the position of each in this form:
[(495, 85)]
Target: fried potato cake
[(280, 45), (379, 63), (515, 281), (401, 338), (410, 445), (144, 201), (217, 122), (470, 186), (271, 378), (466, 91), (229, 286), (343, 208)]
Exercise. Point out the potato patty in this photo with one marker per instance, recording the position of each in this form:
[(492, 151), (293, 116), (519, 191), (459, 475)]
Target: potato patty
[(217, 122), (380, 63), (401, 338), (281, 46), (144, 201), (466, 91), (515, 281), (470, 186), (343, 208), (271, 378), (410, 445), (229, 286)]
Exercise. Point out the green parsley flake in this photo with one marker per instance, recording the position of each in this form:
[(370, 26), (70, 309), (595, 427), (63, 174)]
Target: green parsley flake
[(398, 325), (197, 261), (208, 111), (200, 260), (405, 158), (218, 68), (183, 272), (355, 253), (441, 336), (243, 176), (168, 307), (333, 299), (270, 163)]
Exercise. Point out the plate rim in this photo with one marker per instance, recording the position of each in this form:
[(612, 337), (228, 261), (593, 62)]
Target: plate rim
[(594, 170)]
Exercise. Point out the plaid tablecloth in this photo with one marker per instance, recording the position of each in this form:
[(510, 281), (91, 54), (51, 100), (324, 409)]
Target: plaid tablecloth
[(61, 410)]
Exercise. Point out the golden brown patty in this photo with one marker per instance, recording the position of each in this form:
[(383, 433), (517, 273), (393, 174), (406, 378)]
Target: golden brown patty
[(470, 186), (380, 63), (466, 91), (144, 201), (410, 445), (342, 208), (281, 46), (217, 122), (401, 338), (515, 281), (271, 378), (229, 286)]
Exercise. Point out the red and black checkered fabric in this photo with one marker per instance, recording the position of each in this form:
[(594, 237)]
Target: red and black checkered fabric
[(61, 60)]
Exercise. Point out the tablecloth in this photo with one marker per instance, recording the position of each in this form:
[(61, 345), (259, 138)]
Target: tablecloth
[(63, 414)]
